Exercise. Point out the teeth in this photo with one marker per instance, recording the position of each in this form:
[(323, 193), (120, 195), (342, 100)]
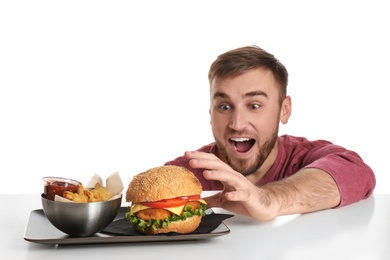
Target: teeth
[(241, 139)]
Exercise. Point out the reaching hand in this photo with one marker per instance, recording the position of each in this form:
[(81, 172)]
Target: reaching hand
[(308, 190), (239, 195)]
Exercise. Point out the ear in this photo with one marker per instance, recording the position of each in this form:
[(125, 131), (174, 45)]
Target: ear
[(285, 111)]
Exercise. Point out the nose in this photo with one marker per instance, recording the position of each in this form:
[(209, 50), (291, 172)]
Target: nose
[(238, 121)]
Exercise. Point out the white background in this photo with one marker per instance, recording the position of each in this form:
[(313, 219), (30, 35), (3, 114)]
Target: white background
[(102, 86)]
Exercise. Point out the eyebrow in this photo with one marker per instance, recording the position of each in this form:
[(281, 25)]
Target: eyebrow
[(249, 94)]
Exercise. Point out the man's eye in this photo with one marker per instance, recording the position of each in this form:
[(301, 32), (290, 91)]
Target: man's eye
[(224, 107), (255, 106)]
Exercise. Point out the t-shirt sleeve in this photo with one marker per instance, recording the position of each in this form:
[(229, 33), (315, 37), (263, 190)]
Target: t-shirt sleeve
[(354, 178)]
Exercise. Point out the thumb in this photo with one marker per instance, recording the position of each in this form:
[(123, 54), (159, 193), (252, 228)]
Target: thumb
[(214, 200)]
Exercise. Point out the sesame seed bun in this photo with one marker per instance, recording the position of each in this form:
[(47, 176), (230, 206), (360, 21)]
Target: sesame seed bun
[(163, 182)]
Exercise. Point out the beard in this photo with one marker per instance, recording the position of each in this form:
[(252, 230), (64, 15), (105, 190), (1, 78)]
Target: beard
[(247, 167)]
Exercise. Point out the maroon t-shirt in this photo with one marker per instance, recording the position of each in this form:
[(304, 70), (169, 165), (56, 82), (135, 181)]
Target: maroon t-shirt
[(354, 178)]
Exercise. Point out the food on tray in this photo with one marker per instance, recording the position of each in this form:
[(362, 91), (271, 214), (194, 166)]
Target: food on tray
[(59, 188), (165, 199), (58, 185), (84, 195)]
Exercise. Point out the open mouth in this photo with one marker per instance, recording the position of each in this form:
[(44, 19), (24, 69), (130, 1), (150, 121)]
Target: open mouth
[(242, 144)]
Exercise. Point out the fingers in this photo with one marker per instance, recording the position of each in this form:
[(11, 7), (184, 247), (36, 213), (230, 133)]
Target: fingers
[(216, 200), (236, 186), (237, 195), (205, 161), (217, 170), (213, 200)]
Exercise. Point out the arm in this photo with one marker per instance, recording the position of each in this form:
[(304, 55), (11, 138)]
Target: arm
[(306, 191)]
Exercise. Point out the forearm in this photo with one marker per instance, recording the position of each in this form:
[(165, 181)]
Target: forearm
[(306, 191)]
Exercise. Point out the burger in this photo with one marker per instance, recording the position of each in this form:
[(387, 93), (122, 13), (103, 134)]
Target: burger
[(165, 199)]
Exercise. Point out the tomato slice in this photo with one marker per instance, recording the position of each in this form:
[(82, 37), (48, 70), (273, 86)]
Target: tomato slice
[(171, 203), (194, 197)]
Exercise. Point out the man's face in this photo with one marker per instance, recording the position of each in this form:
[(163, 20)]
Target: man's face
[(245, 113)]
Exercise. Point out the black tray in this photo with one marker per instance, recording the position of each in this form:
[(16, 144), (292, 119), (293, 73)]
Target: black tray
[(40, 230)]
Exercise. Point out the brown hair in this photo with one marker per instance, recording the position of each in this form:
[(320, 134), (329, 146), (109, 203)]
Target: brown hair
[(238, 61)]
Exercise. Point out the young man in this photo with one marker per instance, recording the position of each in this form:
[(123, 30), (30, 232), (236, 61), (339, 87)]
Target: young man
[(261, 174)]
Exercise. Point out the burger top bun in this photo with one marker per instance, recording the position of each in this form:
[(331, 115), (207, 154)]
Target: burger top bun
[(163, 182)]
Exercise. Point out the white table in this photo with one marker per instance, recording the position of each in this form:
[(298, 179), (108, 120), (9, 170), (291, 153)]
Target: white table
[(358, 231)]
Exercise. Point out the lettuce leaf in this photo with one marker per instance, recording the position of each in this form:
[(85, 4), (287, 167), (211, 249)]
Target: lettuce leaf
[(157, 223)]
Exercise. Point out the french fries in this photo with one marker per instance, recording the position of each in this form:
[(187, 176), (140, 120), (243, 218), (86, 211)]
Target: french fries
[(84, 195)]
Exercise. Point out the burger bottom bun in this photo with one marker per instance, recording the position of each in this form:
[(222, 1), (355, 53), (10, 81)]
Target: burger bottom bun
[(181, 226)]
